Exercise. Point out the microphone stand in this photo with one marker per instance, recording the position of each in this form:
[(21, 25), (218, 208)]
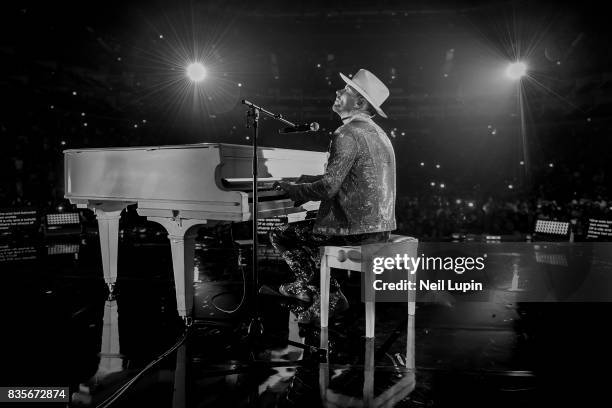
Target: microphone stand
[(255, 327)]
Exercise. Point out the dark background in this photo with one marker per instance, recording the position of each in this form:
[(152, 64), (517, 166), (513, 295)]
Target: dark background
[(96, 74)]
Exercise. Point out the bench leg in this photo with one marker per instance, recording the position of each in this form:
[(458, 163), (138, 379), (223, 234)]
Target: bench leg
[(368, 374), (410, 336), (370, 303), (370, 311), (412, 295), (325, 277)]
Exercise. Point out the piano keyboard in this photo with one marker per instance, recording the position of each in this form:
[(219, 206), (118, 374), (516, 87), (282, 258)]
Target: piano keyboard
[(246, 184)]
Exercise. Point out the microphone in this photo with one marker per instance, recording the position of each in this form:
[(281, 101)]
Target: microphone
[(306, 127)]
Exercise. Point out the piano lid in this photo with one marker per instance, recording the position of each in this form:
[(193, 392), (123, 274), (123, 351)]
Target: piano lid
[(181, 173), (231, 149)]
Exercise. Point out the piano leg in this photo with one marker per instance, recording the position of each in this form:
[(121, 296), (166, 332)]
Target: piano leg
[(183, 248), (181, 234), (108, 226)]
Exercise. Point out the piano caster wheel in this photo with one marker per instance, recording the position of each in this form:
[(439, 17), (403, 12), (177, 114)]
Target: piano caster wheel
[(188, 320)]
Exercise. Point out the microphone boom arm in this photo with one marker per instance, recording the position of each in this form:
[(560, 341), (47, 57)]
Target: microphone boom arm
[(276, 116)]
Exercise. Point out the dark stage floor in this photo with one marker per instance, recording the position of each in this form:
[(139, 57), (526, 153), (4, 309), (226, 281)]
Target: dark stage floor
[(61, 328)]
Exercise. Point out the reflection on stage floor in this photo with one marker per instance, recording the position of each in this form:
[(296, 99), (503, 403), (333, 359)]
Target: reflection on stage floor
[(63, 328)]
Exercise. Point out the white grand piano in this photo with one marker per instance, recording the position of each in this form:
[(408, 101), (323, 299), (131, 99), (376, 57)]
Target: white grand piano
[(180, 187)]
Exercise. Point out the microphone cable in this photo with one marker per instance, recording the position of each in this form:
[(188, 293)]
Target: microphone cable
[(117, 394), (241, 266)]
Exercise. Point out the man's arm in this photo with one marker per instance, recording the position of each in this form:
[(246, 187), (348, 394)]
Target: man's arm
[(306, 178), (342, 155)]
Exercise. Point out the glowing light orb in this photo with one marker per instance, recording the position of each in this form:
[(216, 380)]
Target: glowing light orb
[(196, 72), (516, 70)]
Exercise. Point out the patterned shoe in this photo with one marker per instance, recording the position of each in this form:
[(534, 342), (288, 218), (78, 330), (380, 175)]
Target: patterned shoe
[(337, 304), (296, 290), (307, 316)]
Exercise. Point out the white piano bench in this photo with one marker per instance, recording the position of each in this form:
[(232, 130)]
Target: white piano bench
[(350, 258)]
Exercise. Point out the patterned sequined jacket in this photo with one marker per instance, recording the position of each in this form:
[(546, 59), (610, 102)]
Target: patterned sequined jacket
[(357, 191)]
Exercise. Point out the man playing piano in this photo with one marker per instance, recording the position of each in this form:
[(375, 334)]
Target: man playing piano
[(357, 194)]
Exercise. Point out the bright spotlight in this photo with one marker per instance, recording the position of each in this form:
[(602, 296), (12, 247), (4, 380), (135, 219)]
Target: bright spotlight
[(196, 72), (516, 70)]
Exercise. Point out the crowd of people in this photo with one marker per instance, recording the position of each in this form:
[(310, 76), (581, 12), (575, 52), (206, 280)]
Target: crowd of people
[(436, 217), (32, 176), (573, 190)]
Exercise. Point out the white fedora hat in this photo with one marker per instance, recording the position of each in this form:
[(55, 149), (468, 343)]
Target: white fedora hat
[(370, 87)]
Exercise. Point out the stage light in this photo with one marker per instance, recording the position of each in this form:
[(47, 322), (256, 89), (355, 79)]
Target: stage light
[(422, 164), (510, 186), (442, 185), (437, 166), (196, 72), (432, 184), (516, 70)]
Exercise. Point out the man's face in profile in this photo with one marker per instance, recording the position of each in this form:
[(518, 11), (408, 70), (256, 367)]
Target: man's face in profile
[(346, 99)]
